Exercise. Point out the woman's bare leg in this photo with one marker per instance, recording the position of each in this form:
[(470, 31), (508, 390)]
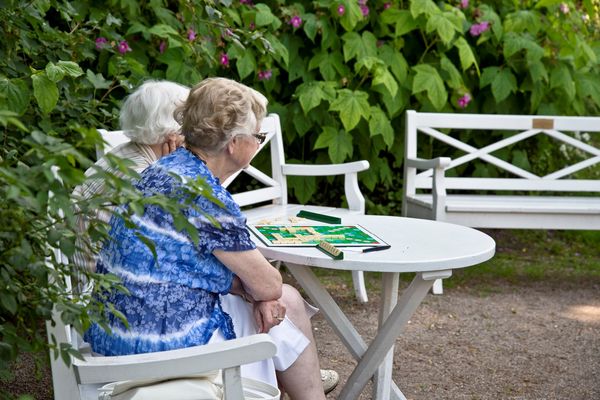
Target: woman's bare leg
[(302, 380)]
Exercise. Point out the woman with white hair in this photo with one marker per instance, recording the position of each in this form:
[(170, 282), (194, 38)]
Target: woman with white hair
[(146, 118), (174, 294)]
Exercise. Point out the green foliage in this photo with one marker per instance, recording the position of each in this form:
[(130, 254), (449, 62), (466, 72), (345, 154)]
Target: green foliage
[(340, 78)]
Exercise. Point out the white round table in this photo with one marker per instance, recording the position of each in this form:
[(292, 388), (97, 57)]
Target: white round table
[(430, 249)]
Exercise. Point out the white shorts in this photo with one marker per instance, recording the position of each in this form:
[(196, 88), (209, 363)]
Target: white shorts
[(290, 341)]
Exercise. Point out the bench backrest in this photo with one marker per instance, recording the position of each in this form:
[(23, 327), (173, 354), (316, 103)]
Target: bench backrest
[(274, 187), (564, 131)]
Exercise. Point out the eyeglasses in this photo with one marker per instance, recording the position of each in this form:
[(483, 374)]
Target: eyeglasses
[(260, 137)]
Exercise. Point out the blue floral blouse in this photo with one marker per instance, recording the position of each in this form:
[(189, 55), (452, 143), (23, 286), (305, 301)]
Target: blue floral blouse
[(174, 299)]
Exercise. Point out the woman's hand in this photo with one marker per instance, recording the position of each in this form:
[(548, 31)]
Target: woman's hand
[(268, 314), (173, 141)]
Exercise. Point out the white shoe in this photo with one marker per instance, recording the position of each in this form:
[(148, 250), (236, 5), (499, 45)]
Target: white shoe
[(330, 379)]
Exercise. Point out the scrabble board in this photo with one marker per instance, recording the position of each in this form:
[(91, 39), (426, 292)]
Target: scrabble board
[(311, 235)]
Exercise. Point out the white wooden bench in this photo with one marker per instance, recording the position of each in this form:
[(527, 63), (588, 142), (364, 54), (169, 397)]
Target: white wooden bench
[(269, 200), (436, 186)]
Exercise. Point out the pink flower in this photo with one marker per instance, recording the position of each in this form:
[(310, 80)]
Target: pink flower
[(386, 5), (224, 60), (464, 100), (264, 75), (341, 9), (162, 46), (362, 2), (464, 4), (101, 42), (249, 2), (564, 8), (478, 29), (252, 26), (364, 10), (191, 34), (123, 47), (296, 21)]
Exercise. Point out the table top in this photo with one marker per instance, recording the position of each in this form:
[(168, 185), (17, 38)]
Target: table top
[(417, 245)]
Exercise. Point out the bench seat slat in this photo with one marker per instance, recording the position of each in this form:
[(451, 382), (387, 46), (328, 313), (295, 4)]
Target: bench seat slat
[(494, 184), (514, 204)]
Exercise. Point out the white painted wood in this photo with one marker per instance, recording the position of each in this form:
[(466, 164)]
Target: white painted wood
[(111, 140), (430, 248), (429, 194)]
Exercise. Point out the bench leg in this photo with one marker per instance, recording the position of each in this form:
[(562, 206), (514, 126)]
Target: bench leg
[(438, 287), (358, 279)]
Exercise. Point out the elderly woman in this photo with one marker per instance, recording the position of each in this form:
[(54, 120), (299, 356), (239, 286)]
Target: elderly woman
[(174, 298), (146, 118)]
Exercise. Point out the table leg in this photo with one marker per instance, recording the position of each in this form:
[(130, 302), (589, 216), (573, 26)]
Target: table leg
[(334, 316), (389, 298), (389, 331)]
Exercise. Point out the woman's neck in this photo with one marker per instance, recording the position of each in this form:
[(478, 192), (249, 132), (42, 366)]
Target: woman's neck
[(217, 164)]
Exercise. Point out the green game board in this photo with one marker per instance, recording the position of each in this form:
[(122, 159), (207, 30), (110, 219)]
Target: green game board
[(311, 235)]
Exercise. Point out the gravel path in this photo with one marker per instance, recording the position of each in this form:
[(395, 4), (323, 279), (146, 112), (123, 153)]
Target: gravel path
[(533, 343), (540, 342)]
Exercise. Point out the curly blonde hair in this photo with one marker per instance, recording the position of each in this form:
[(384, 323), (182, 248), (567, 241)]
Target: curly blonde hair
[(218, 109)]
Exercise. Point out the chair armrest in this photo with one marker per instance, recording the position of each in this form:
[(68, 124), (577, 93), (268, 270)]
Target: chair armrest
[(422, 163), (354, 197), (324, 169), (180, 362)]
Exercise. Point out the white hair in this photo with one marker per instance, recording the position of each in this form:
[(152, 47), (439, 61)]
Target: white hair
[(147, 114)]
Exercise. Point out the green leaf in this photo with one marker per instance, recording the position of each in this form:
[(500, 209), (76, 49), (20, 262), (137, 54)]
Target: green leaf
[(523, 20), (454, 80), (17, 95), (383, 77), (427, 7), (9, 302), (379, 124), (265, 17), (45, 92), (488, 76), (352, 105), (514, 43), (504, 84), (337, 142), (310, 26), (395, 60), (303, 187), (368, 63), (97, 80), (444, 27), (163, 31), (519, 159), (428, 79), (70, 68), (329, 64), (538, 71), (311, 94), (352, 16), (54, 73), (281, 51), (588, 85), (465, 53), (246, 65), (402, 20), (560, 77), (356, 46)]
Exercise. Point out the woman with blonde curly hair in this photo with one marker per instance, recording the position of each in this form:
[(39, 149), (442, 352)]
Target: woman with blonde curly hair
[(175, 294)]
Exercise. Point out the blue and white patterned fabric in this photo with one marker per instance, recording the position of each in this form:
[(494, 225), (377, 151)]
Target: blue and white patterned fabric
[(174, 299)]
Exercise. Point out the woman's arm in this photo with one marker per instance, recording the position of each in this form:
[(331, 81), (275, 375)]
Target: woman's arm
[(260, 279)]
